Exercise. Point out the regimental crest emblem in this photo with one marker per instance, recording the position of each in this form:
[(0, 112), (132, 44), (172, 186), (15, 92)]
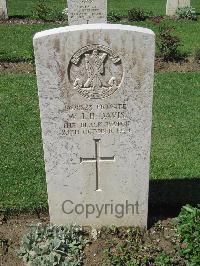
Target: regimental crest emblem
[(95, 72)]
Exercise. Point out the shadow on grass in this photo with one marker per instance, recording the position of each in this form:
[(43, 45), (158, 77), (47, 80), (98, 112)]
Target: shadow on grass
[(19, 17), (166, 197)]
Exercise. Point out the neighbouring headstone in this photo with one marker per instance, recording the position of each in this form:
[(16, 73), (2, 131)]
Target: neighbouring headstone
[(173, 5), (95, 86), (87, 11), (3, 10)]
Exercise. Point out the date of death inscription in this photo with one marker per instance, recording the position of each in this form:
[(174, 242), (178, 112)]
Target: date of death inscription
[(95, 119)]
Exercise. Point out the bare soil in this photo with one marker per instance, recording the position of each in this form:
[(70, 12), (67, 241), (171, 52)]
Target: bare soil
[(25, 20), (11, 232), (29, 21), (160, 66), (189, 65), (156, 20), (16, 68), (12, 229), (158, 238)]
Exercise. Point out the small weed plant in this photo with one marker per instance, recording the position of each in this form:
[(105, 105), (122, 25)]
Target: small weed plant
[(163, 260), (42, 10), (129, 249), (136, 247), (46, 13), (114, 16), (65, 12), (53, 245), (187, 225), (187, 13), (197, 55), (169, 45), (137, 14)]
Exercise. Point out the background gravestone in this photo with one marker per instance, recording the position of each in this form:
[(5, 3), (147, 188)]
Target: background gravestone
[(173, 5), (95, 89), (87, 11), (3, 10)]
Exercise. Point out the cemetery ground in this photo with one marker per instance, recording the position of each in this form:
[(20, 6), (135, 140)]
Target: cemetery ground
[(175, 163)]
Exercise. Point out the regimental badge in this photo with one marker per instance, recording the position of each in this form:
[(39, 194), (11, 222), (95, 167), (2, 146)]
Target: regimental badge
[(95, 72)]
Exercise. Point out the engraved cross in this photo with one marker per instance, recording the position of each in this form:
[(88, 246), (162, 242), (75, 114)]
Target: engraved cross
[(98, 159)]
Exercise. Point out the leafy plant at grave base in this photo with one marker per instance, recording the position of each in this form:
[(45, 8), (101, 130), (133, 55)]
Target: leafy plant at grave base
[(136, 14), (59, 15), (163, 260), (42, 10), (188, 13), (187, 225), (114, 16), (169, 45), (53, 245), (197, 55), (130, 249), (65, 12), (45, 12)]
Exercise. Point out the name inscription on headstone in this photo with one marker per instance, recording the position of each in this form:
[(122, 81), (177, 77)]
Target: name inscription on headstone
[(87, 11), (96, 118)]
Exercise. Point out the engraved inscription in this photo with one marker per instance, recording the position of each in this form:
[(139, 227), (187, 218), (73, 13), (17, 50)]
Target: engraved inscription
[(87, 11), (98, 159), (95, 71), (87, 119)]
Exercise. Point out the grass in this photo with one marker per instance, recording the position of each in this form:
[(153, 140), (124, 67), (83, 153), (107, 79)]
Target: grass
[(17, 46), (21, 159), (175, 143), (185, 30), (175, 149), (26, 7), (158, 7)]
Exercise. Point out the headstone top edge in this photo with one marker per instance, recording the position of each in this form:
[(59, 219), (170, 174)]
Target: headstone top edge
[(97, 26)]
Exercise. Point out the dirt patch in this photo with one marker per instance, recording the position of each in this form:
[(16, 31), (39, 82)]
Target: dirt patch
[(158, 239), (29, 21), (188, 65), (185, 66), (25, 20), (11, 232), (16, 68), (156, 20)]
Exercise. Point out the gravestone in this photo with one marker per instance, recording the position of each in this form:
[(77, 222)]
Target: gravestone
[(173, 5), (95, 87), (87, 11), (3, 10)]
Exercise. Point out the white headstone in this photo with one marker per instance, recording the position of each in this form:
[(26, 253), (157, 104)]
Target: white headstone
[(95, 90), (87, 11), (173, 5), (3, 10)]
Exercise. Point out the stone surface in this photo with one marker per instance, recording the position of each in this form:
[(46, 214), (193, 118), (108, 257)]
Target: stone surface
[(3, 10), (172, 6), (87, 11), (95, 86)]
